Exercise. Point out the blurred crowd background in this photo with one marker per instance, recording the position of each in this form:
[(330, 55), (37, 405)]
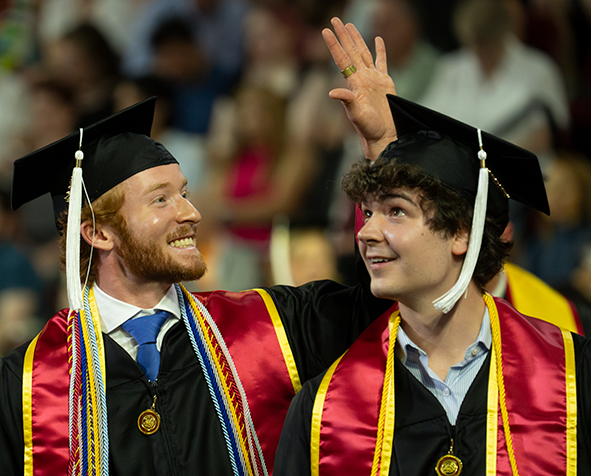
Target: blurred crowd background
[(243, 104)]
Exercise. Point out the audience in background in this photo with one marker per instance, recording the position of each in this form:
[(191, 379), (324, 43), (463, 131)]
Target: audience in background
[(262, 172), (194, 80), (84, 61), (411, 58), (499, 84), (243, 88), (312, 256), (217, 26), (54, 18), (21, 289), (557, 244), (188, 148), (271, 59)]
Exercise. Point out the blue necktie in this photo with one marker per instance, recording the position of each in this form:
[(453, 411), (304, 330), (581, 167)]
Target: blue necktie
[(145, 331)]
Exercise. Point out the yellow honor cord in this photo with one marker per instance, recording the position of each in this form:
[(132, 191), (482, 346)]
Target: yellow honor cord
[(98, 331), (492, 418), (240, 425), (92, 420), (496, 339), (387, 417)]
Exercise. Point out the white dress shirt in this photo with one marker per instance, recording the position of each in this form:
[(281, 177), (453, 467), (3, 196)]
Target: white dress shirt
[(113, 313), (452, 392)]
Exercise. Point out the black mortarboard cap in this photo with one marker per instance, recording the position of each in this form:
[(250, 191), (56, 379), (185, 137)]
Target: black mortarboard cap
[(115, 149), (448, 149)]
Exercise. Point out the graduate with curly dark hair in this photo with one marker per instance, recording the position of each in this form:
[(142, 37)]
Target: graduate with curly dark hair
[(452, 380)]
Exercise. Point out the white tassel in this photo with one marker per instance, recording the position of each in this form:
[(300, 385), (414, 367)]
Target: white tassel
[(446, 302), (74, 286)]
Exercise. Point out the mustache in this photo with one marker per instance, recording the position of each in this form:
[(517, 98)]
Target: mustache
[(181, 232)]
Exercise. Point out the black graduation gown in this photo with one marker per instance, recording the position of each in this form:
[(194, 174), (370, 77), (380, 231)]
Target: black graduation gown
[(321, 320), (422, 431)]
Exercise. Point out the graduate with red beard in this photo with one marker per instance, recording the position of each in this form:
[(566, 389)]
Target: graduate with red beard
[(141, 376)]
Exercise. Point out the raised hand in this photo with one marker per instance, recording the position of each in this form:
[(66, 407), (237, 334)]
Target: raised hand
[(368, 84)]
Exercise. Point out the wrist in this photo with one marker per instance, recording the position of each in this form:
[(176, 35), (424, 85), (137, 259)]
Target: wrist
[(373, 149)]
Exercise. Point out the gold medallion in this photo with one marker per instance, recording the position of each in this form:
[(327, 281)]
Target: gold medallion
[(149, 421), (449, 465)]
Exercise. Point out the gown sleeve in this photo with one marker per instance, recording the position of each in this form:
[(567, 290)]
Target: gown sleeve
[(293, 452), (322, 319), (583, 358), (11, 414)]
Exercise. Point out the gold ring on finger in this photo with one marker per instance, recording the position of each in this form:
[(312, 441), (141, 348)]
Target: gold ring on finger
[(348, 71)]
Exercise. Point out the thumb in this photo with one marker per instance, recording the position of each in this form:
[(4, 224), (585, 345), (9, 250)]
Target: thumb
[(342, 94)]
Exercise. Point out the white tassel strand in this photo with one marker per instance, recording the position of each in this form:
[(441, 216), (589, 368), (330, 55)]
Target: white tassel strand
[(446, 302), (74, 287)]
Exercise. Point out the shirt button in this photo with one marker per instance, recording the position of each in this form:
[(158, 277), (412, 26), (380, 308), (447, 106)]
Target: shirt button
[(446, 392), (475, 351)]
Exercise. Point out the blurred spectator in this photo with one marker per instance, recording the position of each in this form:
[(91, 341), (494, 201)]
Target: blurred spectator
[(52, 115), (189, 149), (217, 26), (312, 256), (552, 26), (301, 254), (555, 249), (270, 52), (260, 174), (112, 17), (83, 61), (411, 59), (562, 28), (499, 84), (361, 14), (194, 80), (437, 22), (533, 297), (13, 117), (20, 286), (16, 49)]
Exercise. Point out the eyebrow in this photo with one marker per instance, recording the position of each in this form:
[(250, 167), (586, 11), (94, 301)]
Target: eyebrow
[(402, 195), (158, 186)]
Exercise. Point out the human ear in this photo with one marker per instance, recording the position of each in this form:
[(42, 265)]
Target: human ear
[(460, 242), (100, 237)]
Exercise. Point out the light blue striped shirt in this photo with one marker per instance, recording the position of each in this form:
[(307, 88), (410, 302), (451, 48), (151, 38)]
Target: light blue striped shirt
[(450, 393)]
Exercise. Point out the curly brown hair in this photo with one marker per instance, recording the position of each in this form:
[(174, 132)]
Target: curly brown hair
[(106, 211), (445, 210)]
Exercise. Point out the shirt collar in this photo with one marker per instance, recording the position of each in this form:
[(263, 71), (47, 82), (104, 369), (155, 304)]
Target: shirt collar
[(114, 312), (484, 339)]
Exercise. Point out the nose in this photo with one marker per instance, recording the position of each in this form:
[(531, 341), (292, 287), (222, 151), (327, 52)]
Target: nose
[(187, 212), (370, 231)]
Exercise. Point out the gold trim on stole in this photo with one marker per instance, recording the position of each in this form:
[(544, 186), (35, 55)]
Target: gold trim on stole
[(28, 407), (317, 418), (571, 403), (282, 338)]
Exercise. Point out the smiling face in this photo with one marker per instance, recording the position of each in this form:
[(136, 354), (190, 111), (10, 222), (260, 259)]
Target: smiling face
[(157, 236), (405, 258)]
